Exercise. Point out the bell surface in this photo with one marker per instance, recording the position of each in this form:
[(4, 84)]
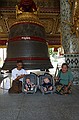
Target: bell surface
[(27, 43)]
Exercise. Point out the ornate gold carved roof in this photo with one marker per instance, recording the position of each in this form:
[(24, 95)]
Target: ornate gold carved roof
[(49, 15)]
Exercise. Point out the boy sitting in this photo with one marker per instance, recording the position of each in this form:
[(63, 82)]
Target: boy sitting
[(47, 85), (28, 85)]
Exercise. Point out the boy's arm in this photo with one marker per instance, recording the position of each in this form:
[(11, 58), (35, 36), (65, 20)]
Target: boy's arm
[(70, 83), (19, 77), (15, 77)]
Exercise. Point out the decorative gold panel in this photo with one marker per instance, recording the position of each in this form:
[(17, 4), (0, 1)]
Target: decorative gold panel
[(51, 25), (74, 4), (1, 29), (48, 24)]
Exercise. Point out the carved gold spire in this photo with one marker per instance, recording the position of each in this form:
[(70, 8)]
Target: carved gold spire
[(24, 12)]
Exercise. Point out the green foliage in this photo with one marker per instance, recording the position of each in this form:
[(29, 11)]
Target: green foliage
[(50, 51)]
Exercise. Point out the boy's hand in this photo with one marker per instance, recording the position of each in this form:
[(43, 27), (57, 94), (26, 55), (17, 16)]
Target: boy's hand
[(66, 89), (56, 78), (21, 76)]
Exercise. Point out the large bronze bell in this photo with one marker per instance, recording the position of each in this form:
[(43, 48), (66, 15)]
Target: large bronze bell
[(27, 43)]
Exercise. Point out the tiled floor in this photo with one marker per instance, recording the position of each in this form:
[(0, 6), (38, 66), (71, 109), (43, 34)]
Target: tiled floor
[(39, 107)]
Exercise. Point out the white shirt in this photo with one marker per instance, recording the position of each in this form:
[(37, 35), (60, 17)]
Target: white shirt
[(16, 73)]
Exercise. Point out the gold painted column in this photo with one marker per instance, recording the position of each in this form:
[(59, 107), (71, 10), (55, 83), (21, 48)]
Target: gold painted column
[(70, 41)]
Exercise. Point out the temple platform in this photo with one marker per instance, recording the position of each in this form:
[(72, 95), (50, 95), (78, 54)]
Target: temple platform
[(38, 106)]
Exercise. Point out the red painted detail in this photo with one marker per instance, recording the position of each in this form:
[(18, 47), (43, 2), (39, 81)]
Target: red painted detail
[(30, 38), (3, 42), (26, 58)]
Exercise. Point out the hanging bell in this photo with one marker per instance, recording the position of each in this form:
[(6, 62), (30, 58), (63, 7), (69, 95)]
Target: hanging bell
[(27, 43)]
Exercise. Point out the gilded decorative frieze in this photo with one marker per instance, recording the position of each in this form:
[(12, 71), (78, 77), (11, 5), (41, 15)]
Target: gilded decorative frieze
[(51, 25), (74, 5)]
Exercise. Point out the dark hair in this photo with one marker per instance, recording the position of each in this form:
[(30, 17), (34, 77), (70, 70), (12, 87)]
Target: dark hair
[(65, 65), (19, 61)]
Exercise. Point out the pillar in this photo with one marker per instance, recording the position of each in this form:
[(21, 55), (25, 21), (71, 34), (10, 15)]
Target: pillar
[(69, 41)]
